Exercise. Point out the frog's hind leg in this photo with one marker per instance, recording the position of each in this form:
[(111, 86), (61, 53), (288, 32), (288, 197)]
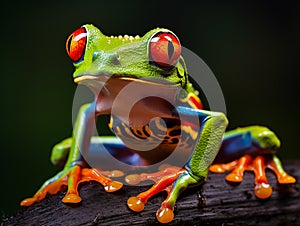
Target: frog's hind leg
[(282, 177), (236, 168), (254, 148)]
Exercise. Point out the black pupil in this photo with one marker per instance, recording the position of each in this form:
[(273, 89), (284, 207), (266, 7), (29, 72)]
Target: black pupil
[(170, 49)]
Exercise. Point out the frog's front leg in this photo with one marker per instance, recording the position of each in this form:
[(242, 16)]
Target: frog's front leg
[(75, 170), (253, 148), (175, 180)]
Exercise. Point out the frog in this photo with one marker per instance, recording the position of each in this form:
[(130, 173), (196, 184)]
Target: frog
[(165, 118)]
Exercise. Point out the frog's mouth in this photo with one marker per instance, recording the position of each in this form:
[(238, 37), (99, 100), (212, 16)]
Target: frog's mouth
[(81, 78), (103, 78)]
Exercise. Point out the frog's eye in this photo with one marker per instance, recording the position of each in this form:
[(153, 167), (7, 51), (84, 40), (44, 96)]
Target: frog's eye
[(76, 44), (164, 49)]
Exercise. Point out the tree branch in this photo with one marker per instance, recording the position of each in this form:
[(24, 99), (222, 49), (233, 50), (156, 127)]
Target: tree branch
[(214, 203)]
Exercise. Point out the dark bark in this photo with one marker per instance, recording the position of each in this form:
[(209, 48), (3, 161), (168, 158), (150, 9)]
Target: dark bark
[(214, 203)]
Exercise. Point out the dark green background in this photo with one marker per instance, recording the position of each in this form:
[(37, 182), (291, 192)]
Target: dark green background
[(253, 49)]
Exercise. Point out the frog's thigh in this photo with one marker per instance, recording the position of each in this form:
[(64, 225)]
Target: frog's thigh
[(250, 140), (254, 149)]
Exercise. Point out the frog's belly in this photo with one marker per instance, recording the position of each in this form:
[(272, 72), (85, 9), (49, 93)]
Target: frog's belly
[(156, 140)]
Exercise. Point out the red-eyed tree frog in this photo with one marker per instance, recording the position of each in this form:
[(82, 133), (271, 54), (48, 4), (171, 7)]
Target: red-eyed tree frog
[(163, 120)]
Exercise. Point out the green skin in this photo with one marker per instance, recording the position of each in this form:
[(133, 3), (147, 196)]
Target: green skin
[(123, 57), (134, 60), (98, 61)]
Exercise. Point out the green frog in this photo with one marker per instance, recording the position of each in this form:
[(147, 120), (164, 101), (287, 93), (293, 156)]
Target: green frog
[(167, 116)]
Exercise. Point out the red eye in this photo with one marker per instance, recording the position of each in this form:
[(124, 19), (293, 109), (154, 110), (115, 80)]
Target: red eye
[(164, 49), (76, 44)]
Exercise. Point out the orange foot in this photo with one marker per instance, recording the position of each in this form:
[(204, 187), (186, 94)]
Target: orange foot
[(72, 177), (171, 179), (258, 164)]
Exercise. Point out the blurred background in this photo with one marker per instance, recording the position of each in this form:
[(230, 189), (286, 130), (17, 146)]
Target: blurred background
[(253, 49)]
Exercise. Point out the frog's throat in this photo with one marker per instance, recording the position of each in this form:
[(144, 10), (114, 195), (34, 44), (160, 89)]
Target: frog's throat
[(97, 78)]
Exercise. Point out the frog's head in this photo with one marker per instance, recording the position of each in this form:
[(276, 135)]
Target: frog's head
[(156, 55)]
